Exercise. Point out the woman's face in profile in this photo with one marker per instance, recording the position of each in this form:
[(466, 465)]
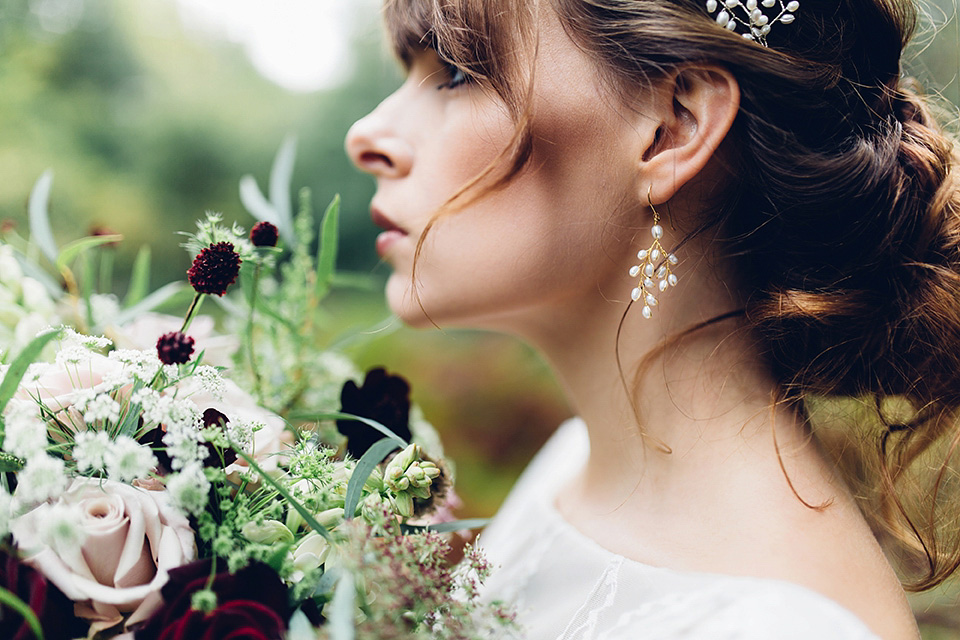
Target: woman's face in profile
[(559, 232)]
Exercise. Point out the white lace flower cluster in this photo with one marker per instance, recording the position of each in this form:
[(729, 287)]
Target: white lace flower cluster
[(750, 14)]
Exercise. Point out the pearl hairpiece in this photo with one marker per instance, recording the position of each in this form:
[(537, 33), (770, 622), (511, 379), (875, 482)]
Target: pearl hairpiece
[(751, 15)]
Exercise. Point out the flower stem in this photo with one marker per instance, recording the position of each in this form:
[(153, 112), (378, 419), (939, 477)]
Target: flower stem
[(253, 361), (197, 299)]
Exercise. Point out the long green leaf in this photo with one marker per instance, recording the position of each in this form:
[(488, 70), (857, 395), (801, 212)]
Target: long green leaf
[(447, 527), (19, 367), (281, 177), (340, 621), (139, 277), (255, 202), (365, 466), (336, 415), (38, 210), (304, 513), (75, 248), (160, 296), (327, 251), (10, 599)]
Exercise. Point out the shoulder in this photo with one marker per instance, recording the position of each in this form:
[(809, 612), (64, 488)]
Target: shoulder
[(741, 609)]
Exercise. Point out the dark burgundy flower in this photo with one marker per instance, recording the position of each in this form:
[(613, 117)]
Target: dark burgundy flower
[(264, 234), (211, 418), (52, 608), (252, 604), (174, 348), (214, 269), (382, 397)]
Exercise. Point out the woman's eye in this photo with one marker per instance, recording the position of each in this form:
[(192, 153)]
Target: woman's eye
[(456, 77)]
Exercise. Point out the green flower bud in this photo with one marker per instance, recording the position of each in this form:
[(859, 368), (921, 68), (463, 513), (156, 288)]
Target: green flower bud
[(266, 532)]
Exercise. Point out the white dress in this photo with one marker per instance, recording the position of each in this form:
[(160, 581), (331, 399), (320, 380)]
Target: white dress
[(565, 586)]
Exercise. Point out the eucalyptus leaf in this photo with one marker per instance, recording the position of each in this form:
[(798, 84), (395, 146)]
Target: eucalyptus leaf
[(139, 277), (19, 367), (336, 415), (281, 177), (255, 202), (75, 248), (327, 251), (340, 620), (38, 209), (447, 527), (365, 466)]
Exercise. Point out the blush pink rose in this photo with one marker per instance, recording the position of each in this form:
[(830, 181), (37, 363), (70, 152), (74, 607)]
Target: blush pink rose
[(133, 537)]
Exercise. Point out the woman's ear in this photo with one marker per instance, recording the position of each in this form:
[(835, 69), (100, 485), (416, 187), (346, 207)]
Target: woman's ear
[(693, 112)]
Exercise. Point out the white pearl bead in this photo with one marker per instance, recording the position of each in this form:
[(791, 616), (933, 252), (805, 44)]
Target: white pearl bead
[(662, 273), (648, 270), (648, 283), (723, 18), (663, 285), (656, 231), (793, 6), (731, 26), (646, 312), (651, 301), (768, 3), (711, 5), (655, 255), (634, 271), (763, 20), (748, 36), (642, 254), (672, 259), (730, 4), (755, 15), (787, 18), (672, 279), (751, 5), (635, 294), (765, 30)]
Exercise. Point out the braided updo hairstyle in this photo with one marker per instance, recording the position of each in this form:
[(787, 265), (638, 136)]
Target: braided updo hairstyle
[(840, 216)]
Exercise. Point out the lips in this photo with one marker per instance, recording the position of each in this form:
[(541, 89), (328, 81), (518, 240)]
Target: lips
[(391, 232)]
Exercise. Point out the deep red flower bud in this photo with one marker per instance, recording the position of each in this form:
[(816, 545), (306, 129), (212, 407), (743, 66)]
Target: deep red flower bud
[(264, 234), (214, 269), (174, 348)]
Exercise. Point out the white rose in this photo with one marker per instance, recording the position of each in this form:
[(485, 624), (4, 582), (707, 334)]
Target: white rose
[(131, 539), (270, 444), (142, 333)]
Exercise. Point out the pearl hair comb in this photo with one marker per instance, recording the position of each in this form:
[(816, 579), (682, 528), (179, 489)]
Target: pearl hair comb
[(752, 15)]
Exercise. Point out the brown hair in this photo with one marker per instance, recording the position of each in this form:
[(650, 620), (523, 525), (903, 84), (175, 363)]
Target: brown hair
[(841, 219)]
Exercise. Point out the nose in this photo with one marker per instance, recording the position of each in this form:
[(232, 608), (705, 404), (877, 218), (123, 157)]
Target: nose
[(375, 147)]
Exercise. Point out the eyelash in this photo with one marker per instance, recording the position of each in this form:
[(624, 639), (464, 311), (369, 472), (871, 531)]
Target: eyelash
[(456, 75)]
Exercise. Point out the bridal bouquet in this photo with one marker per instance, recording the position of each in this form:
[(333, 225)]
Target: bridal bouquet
[(159, 480)]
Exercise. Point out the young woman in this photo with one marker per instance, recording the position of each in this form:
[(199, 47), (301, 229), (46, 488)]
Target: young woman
[(798, 195)]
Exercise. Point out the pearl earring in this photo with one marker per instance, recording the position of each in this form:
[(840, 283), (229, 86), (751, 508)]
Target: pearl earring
[(648, 267)]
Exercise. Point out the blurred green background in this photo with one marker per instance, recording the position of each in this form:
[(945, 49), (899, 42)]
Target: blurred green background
[(150, 111)]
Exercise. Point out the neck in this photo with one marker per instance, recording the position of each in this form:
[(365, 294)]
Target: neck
[(679, 416)]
